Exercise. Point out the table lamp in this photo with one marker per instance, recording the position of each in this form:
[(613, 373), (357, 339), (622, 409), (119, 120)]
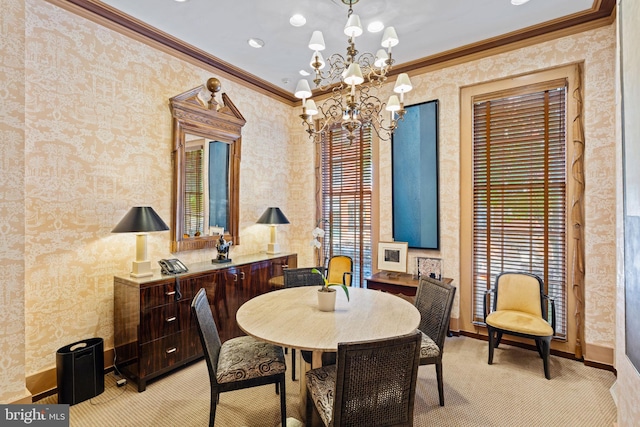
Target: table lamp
[(272, 217), (140, 220)]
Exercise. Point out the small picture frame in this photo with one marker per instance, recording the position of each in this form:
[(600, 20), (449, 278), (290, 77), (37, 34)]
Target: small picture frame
[(392, 256), (430, 267)]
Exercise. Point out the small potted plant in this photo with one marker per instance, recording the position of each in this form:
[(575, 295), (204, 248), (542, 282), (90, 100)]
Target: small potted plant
[(326, 295)]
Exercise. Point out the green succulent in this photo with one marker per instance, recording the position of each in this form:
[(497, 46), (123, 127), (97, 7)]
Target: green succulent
[(326, 285)]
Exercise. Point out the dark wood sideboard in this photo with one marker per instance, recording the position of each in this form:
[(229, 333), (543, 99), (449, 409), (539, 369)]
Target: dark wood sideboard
[(402, 284), (154, 332)]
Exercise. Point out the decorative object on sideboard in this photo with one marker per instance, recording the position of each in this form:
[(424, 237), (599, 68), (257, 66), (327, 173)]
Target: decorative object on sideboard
[(392, 256), (429, 267), (355, 81), (272, 217), (223, 250), (141, 220)]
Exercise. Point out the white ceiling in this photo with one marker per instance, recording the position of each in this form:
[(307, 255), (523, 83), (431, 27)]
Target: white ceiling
[(424, 27)]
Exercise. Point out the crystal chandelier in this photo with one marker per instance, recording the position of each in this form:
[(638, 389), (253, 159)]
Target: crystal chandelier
[(355, 81)]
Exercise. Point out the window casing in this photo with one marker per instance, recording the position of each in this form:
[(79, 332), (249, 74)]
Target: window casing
[(520, 191)]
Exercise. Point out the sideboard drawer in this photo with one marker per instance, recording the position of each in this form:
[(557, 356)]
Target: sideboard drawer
[(158, 322), (157, 295), (159, 354)]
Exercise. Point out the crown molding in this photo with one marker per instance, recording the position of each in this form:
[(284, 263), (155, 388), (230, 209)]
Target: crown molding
[(601, 13)]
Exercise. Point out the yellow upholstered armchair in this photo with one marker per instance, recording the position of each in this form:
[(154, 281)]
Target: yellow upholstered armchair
[(520, 308)]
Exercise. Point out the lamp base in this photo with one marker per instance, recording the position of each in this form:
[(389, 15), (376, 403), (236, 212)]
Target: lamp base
[(141, 269), (273, 248)]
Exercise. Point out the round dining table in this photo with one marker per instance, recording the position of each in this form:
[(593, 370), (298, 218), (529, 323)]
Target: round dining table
[(290, 318)]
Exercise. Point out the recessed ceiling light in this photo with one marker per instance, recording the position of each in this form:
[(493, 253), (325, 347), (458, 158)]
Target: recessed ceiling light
[(304, 73), (257, 43), (297, 20), (518, 2), (181, 1), (375, 27)]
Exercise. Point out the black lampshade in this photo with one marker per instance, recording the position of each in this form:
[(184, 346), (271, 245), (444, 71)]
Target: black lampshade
[(140, 219), (273, 216)]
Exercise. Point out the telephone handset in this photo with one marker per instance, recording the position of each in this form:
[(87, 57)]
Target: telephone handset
[(172, 266)]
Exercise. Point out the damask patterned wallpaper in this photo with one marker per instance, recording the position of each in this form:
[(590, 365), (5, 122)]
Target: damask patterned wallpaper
[(96, 141), (98, 138), (597, 50), (12, 200)]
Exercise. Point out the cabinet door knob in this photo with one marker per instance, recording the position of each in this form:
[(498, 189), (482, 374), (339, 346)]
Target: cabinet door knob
[(171, 350)]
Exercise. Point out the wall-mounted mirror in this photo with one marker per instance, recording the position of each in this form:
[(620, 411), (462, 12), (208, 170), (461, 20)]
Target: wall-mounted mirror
[(206, 168)]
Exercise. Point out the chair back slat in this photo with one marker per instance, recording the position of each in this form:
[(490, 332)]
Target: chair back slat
[(434, 301), (208, 332), (376, 382)]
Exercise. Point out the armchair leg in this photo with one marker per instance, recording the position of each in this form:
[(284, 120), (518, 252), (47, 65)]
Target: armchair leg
[(545, 343), (491, 344), (440, 383)]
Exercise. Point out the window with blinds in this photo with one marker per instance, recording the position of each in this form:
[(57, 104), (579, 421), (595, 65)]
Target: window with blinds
[(194, 192), (347, 197), (519, 191)]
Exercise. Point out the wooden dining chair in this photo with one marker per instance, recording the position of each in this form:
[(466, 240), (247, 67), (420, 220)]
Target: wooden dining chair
[(372, 384), (434, 300), (237, 363), (295, 277)]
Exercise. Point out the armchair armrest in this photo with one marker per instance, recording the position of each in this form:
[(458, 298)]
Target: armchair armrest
[(486, 303), (553, 312), (344, 277)]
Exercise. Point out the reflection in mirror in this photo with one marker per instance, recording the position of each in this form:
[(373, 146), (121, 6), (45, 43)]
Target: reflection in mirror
[(206, 210), (206, 161)]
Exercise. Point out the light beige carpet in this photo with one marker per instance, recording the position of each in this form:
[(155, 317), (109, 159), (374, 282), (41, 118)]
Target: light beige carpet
[(511, 392)]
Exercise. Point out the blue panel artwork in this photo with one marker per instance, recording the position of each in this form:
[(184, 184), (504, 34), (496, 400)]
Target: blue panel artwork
[(415, 177)]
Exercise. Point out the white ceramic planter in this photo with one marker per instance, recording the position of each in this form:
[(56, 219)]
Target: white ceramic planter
[(327, 300)]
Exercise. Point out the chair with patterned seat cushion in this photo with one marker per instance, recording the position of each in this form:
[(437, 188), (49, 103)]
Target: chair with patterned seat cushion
[(372, 384), (295, 277), (237, 363), (434, 300), (520, 308)]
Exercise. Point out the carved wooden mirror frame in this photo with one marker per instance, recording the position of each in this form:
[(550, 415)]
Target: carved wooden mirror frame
[(193, 114)]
